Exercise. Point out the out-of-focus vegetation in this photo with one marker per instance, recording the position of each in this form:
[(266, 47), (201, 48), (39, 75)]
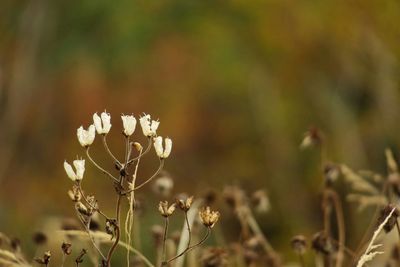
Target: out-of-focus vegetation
[(235, 84)]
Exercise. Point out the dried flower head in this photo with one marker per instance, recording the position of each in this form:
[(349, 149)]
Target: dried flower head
[(66, 248), (160, 150), (299, 244), (185, 204), (86, 137), (79, 165), (166, 210), (103, 123), (149, 127), (208, 217), (129, 123), (391, 222)]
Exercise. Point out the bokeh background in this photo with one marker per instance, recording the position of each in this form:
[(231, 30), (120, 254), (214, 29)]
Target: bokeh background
[(235, 84)]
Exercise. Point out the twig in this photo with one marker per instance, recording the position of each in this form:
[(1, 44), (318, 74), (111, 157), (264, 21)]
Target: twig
[(98, 167)]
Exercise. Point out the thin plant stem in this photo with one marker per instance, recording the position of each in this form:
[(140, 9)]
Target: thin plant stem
[(189, 238), (149, 179), (91, 238), (108, 150), (63, 260), (144, 153), (93, 207), (191, 247), (112, 249), (98, 167), (164, 241), (340, 225), (129, 216)]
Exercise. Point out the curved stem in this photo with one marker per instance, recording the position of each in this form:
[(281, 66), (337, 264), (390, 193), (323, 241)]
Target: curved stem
[(90, 236), (109, 151), (98, 167), (144, 153), (112, 249), (149, 179), (340, 225), (191, 247)]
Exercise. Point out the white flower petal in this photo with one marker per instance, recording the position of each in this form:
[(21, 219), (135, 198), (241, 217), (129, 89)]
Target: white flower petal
[(70, 172)]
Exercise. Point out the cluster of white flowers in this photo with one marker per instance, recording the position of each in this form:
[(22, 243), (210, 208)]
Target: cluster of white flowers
[(102, 125)]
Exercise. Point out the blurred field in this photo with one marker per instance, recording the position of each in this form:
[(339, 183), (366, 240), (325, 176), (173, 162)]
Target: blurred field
[(235, 84)]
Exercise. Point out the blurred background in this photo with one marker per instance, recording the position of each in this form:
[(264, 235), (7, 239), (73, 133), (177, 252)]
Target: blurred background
[(235, 84)]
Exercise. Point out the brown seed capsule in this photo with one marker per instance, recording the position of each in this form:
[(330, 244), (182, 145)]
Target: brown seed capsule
[(45, 259), (66, 248), (299, 244)]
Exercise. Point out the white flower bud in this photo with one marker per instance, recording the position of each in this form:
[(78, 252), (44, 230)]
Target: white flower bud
[(158, 146), (79, 167), (149, 127), (86, 137), (129, 123), (103, 124)]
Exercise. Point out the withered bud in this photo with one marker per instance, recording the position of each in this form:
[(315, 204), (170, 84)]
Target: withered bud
[(166, 210), (260, 201), (331, 173), (299, 244), (45, 259), (66, 248), (208, 217), (185, 204), (82, 209), (321, 243), (158, 234), (137, 146), (214, 257), (79, 259), (39, 238), (74, 194), (111, 226), (311, 138), (391, 223)]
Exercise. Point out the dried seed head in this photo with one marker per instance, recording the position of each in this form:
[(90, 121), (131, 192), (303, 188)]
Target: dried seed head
[(260, 201), (138, 146), (214, 257), (208, 217), (185, 204), (391, 223), (39, 238), (321, 243), (86, 137), (79, 259), (166, 210), (66, 248), (299, 244)]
